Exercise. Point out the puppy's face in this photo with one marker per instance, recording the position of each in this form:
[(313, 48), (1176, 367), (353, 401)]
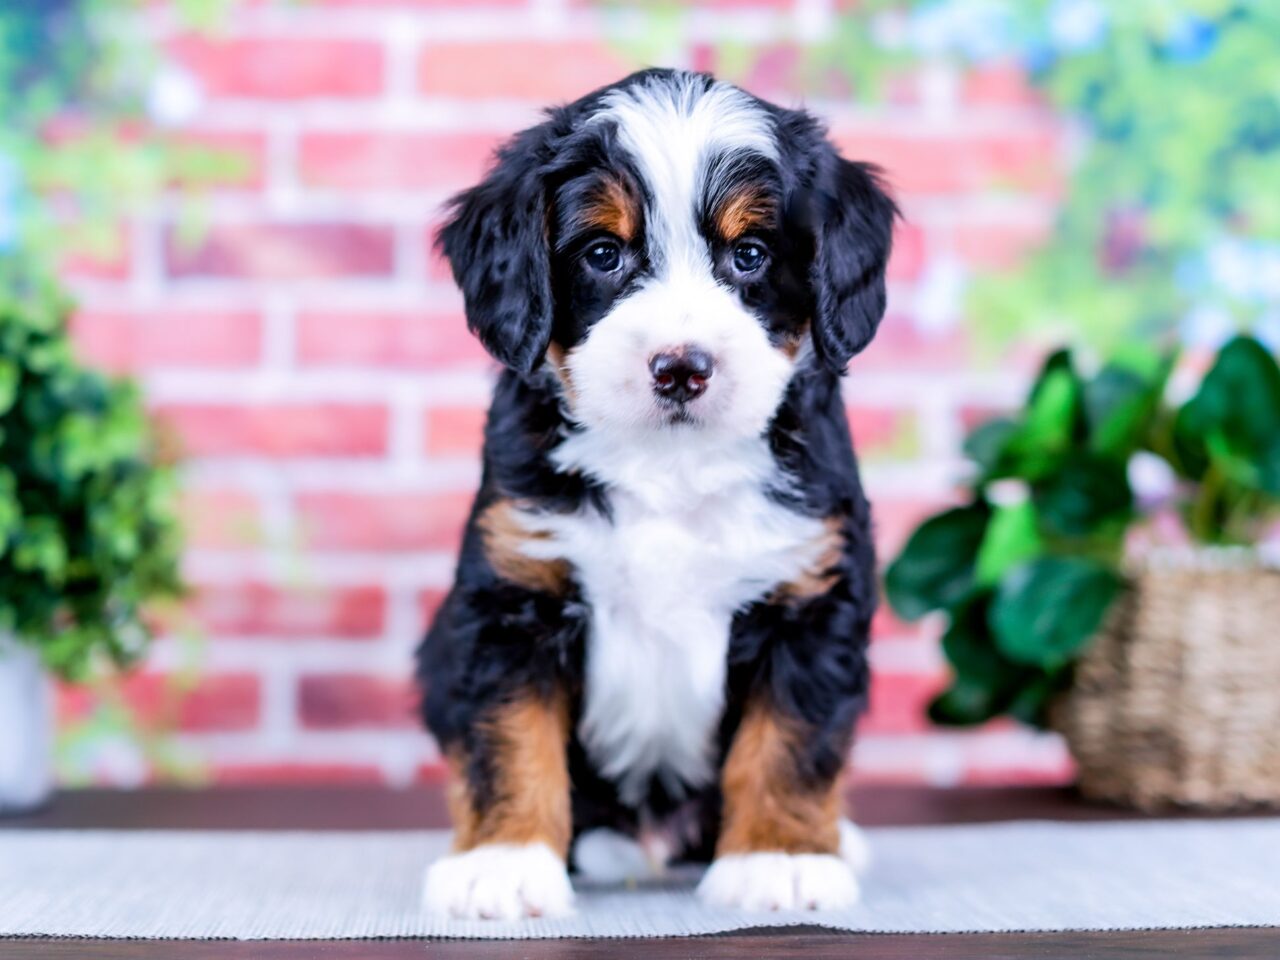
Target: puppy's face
[(673, 249)]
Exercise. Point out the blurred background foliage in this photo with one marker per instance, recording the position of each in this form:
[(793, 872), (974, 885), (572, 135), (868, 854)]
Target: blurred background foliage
[(76, 80), (87, 517), (1170, 224)]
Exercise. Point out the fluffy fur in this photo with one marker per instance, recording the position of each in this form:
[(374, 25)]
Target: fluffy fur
[(657, 636)]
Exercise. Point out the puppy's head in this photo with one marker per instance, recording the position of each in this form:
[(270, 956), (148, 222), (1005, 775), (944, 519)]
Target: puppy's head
[(672, 249)]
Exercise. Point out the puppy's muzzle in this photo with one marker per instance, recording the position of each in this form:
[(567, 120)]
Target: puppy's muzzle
[(681, 375)]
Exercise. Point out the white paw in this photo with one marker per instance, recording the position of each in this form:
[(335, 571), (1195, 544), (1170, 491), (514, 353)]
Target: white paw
[(499, 881), (854, 848), (779, 881), (607, 856)]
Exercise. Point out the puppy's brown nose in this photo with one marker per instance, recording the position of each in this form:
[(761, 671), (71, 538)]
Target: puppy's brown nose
[(681, 375)]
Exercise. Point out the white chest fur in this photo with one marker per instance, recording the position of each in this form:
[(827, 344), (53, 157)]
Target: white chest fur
[(693, 538)]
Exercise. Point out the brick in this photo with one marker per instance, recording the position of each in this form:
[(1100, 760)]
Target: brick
[(136, 340), (999, 246), (899, 701), (282, 251), (340, 701), (255, 608), (436, 772), (541, 71), (900, 345), (880, 432), (386, 522), (907, 260), (293, 774), (396, 339), (437, 267), (395, 161), (429, 602), (216, 703), (278, 430), (885, 625), (221, 519), (455, 431), (283, 67), (1000, 85), (1016, 774), (771, 71), (1023, 160)]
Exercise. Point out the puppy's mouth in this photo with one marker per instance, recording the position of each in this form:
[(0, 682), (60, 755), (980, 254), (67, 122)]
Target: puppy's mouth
[(678, 414)]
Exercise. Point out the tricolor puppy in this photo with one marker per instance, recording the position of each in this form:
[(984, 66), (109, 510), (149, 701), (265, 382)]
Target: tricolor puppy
[(656, 644)]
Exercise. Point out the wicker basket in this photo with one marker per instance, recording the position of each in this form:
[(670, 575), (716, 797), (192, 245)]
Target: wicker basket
[(1177, 702)]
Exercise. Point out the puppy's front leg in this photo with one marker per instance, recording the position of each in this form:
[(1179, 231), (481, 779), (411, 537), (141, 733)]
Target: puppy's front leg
[(509, 799), (781, 834)]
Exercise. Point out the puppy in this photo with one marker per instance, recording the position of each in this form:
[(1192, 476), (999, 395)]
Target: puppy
[(655, 647)]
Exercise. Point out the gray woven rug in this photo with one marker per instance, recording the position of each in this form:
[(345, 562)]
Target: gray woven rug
[(1003, 877)]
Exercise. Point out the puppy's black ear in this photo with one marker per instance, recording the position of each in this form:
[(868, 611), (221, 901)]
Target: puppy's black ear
[(496, 242), (854, 233)]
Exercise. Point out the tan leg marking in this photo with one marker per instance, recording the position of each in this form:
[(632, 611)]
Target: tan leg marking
[(528, 738), (765, 807)]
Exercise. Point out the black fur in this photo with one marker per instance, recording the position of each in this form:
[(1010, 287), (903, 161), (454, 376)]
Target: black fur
[(515, 256), (496, 243)]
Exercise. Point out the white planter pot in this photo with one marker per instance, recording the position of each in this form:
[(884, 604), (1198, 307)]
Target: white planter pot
[(26, 729)]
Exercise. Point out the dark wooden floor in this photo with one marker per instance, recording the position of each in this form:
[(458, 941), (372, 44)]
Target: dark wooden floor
[(357, 808), (776, 945)]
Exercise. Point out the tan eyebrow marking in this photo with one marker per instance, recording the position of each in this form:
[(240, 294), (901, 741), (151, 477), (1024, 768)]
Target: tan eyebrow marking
[(615, 207), (744, 210)]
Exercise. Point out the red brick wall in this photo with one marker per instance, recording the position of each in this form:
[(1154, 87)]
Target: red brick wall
[(309, 349)]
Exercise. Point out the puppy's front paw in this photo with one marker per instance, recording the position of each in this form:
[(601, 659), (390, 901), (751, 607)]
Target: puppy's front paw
[(499, 881), (779, 881)]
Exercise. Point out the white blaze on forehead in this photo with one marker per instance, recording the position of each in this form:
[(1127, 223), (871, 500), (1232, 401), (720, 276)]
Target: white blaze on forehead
[(672, 125)]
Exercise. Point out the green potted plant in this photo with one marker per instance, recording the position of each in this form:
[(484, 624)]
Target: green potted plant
[(88, 534), (1070, 605)]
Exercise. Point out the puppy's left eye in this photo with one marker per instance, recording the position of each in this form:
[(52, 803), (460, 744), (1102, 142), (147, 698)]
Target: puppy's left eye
[(603, 256), (749, 256)]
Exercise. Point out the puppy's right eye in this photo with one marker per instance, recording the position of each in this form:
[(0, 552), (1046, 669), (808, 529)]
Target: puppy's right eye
[(603, 256)]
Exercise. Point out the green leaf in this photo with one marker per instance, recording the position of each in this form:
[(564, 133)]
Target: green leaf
[(1047, 610), (10, 374), (1053, 417), (936, 568), (1121, 403), (1269, 470), (969, 645), (1012, 538), (986, 445), (1083, 494), (1237, 408), (965, 704), (10, 508), (41, 548), (1032, 700)]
